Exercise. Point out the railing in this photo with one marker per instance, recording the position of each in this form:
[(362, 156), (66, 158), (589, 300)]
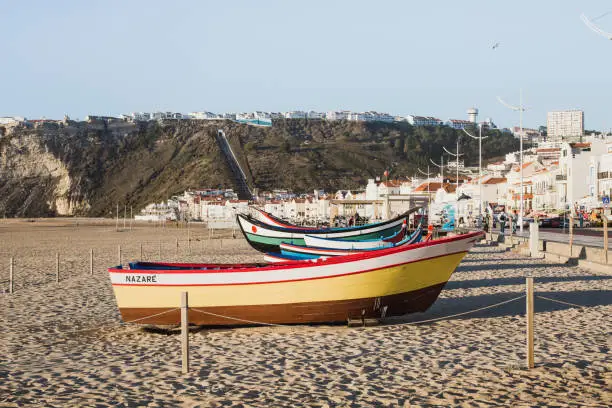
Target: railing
[(604, 175), (561, 177)]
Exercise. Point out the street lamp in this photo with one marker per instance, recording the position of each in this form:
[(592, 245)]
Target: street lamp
[(594, 28), (428, 174), (520, 108), (480, 137), (457, 181), (440, 166)]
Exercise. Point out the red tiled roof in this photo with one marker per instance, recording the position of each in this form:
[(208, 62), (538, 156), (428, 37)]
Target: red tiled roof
[(495, 180), (580, 145)]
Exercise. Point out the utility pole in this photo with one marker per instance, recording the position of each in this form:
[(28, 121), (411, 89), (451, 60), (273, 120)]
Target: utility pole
[(428, 174), (479, 163), (457, 183), (520, 108)]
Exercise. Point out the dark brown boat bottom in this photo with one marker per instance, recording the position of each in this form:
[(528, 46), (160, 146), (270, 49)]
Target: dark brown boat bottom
[(291, 313)]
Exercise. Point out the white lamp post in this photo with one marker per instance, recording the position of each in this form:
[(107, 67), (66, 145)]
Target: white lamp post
[(520, 109), (428, 174), (457, 180), (480, 137)]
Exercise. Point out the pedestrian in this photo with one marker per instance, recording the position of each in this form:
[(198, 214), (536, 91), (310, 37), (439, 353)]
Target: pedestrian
[(581, 219), (514, 221), (502, 222), (486, 224)]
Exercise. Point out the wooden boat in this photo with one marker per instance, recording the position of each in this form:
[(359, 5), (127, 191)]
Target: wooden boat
[(306, 252), (386, 282), (270, 219), (267, 238), (346, 244)]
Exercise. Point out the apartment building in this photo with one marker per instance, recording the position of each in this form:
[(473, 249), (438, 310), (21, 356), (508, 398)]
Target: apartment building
[(565, 125)]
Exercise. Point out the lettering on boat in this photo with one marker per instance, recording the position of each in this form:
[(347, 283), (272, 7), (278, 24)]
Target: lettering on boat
[(140, 278)]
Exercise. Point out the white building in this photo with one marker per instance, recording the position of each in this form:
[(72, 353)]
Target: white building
[(203, 115), (424, 121), (578, 172), (11, 120), (295, 115), (337, 115), (458, 123), (565, 125), (315, 115)]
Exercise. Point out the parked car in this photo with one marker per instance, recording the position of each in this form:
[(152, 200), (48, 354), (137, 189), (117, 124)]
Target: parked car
[(565, 223), (549, 222)]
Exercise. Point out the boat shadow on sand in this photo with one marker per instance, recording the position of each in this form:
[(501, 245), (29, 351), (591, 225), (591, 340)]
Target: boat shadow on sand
[(449, 306)]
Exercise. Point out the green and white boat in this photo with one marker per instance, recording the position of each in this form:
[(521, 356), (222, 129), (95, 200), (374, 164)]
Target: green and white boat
[(267, 238)]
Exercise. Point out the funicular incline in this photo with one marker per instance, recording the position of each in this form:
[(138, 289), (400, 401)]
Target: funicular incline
[(240, 180)]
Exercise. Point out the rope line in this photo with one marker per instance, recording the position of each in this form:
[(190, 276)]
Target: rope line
[(154, 315), (237, 319), (122, 324), (560, 301), (457, 314)]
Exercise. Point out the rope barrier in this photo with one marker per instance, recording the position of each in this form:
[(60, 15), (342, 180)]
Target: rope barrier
[(458, 314), (123, 324), (560, 301), (238, 319)]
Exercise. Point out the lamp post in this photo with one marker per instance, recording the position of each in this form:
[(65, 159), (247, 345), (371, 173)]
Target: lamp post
[(520, 108), (480, 137), (457, 180), (440, 166), (428, 174)]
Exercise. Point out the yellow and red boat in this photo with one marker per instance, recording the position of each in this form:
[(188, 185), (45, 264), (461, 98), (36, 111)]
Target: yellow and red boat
[(386, 282)]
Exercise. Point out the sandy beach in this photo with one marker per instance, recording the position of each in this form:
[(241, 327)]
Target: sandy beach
[(63, 344)]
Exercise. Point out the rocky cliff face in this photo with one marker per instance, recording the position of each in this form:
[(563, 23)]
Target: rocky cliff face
[(89, 168)]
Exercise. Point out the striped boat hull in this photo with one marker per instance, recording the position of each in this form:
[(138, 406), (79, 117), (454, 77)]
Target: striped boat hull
[(387, 282)]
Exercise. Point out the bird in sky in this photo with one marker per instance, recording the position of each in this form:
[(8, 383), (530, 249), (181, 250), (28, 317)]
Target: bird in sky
[(495, 46)]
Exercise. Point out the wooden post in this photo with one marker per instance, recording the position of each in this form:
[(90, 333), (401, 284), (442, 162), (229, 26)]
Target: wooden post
[(91, 261), (529, 316), (188, 239), (221, 242), (605, 241), (11, 275), (160, 245), (177, 246), (119, 253), (57, 267), (141, 251), (117, 219), (184, 332), (132, 219)]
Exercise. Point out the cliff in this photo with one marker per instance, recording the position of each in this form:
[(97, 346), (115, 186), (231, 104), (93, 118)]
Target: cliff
[(81, 168)]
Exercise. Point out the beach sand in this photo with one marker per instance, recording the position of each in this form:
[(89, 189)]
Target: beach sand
[(64, 345)]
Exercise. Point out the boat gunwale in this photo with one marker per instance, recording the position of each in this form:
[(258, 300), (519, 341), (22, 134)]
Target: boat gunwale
[(357, 272), (234, 268), (265, 226)]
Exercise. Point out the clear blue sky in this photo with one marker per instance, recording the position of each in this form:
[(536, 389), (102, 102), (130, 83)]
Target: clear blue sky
[(402, 57)]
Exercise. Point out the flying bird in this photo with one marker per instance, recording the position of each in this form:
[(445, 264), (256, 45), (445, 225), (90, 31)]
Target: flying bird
[(594, 28), (495, 46)]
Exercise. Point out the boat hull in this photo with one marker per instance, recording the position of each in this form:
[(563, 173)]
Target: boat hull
[(295, 313), (387, 282), (266, 238)]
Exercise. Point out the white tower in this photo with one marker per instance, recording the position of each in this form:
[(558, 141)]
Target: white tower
[(472, 114)]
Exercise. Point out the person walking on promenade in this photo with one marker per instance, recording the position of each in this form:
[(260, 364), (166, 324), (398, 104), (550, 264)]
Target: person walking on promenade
[(486, 224), (514, 221), (502, 222)]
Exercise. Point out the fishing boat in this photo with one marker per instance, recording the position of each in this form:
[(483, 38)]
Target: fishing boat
[(270, 219), (298, 251), (381, 283), (346, 244), (267, 238)]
